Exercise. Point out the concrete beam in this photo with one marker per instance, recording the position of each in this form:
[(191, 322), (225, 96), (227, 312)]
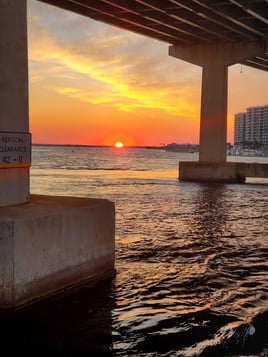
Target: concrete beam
[(218, 54), (14, 182)]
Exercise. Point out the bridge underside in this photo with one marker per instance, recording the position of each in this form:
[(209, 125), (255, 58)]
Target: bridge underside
[(183, 22)]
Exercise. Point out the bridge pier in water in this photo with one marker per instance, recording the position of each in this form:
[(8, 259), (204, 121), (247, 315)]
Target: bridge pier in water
[(214, 60), (47, 244)]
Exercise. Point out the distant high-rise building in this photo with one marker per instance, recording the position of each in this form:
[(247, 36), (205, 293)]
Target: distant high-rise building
[(252, 126), (239, 128)]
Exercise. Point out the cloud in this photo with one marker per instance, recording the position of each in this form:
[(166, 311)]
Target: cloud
[(100, 64)]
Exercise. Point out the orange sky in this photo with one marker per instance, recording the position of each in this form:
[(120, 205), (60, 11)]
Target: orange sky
[(93, 84)]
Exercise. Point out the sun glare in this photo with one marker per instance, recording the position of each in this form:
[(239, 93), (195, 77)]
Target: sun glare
[(118, 144)]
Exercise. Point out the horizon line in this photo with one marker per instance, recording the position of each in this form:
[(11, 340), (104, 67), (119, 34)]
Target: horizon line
[(109, 146)]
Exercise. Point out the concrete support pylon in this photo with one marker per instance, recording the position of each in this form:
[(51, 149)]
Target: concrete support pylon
[(214, 59), (14, 122), (213, 118)]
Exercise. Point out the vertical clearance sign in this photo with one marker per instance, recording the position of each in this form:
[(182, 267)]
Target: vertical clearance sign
[(15, 149)]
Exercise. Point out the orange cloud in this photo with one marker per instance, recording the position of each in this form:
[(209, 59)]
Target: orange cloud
[(111, 75)]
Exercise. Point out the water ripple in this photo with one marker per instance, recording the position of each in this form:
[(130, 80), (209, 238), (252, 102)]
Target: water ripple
[(191, 261)]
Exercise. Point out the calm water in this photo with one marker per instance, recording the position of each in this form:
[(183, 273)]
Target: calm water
[(191, 261)]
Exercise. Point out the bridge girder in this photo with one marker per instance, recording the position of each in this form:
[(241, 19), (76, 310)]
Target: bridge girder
[(183, 21)]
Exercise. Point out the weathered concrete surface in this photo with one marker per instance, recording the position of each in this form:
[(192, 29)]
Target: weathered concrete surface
[(232, 172), (252, 169), (207, 171), (14, 182), (14, 186), (54, 243)]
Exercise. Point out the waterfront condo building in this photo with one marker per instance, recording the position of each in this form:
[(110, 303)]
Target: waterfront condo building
[(252, 126)]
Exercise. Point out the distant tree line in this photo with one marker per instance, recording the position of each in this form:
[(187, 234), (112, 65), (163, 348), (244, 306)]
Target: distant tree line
[(182, 147), (252, 145)]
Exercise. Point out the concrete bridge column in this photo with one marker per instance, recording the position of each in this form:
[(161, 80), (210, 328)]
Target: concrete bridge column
[(213, 118), (14, 123), (214, 59)]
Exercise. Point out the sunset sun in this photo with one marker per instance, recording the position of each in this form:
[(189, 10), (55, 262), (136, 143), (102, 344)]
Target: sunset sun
[(118, 144)]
